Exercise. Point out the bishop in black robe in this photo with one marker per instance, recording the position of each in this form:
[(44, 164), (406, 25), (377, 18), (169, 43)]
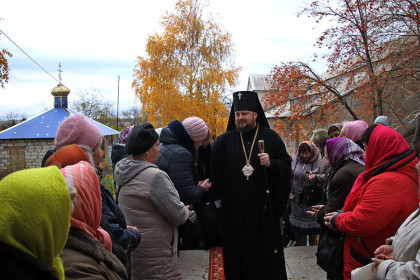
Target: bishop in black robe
[(252, 247)]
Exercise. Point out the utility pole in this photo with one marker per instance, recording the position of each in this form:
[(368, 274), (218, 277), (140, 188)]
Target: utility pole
[(118, 100)]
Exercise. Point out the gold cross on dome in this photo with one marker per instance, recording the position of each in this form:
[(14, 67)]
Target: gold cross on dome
[(59, 71)]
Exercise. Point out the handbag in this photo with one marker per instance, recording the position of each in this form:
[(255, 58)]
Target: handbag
[(191, 227), (308, 193), (329, 254)]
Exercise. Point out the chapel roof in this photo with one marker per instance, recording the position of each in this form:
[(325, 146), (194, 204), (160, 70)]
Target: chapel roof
[(45, 124)]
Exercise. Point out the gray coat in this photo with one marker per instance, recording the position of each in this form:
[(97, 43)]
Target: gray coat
[(298, 170), (406, 244), (150, 201)]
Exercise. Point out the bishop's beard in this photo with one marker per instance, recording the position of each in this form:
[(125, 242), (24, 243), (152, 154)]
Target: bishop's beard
[(245, 129)]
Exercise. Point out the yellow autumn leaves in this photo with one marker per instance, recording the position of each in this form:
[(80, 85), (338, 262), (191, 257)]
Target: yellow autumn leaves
[(187, 69)]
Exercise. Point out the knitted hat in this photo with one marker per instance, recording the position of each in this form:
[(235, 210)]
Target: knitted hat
[(141, 139), (196, 128), (77, 129), (122, 138), (383, 120)]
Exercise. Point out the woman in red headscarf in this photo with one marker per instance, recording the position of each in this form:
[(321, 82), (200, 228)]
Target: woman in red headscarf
[(382, 197)]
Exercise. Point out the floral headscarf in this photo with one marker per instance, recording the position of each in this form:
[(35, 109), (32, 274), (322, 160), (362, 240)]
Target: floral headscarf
[(88, 206), (122, 138), (35, 214)]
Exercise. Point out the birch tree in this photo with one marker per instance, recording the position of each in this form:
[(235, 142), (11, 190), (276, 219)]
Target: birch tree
[(187, 69)]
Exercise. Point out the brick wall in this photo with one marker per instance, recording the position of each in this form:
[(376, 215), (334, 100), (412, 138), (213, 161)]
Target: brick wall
[(35, 150)]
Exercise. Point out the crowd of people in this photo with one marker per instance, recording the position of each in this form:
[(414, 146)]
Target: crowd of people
[(251, 197), (370, 190)]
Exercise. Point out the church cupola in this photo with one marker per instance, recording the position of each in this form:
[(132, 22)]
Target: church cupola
[(60, 93)]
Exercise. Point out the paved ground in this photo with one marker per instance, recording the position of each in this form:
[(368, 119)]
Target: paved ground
[(194, 264), (300, 264)]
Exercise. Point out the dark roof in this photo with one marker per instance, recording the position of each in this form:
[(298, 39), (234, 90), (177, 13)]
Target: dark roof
[(45, 125)]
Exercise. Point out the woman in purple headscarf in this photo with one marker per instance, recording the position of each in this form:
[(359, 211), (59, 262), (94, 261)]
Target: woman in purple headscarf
[(347, 162)]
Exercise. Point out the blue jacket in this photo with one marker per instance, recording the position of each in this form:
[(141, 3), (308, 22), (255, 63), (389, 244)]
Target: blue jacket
[(177, 157), (129, 239)]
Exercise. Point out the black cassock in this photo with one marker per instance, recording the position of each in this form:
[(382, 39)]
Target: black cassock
[(250, 232)]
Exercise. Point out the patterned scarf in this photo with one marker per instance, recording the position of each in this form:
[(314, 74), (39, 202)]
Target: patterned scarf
[(35, 214), (88, 206), (340, 149), (122, 137)]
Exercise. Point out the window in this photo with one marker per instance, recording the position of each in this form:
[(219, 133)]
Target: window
[(17, 158)]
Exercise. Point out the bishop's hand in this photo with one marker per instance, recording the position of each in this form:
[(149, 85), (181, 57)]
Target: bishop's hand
[(264, 159)]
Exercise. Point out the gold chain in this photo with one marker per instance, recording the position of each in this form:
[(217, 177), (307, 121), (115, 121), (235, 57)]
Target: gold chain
[(248, 159)]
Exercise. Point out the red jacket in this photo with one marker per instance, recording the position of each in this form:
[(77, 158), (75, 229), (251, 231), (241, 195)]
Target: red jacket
[(379, 202)]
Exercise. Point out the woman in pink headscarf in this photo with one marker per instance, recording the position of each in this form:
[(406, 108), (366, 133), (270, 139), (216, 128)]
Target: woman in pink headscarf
[(87, 253), (354, 131)]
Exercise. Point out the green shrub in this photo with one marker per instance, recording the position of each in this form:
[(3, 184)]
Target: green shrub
[(108, 182)]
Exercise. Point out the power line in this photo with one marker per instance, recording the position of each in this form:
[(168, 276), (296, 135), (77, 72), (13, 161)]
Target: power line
[(29, 56)]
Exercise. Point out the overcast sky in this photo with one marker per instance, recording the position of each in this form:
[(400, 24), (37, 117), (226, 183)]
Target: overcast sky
[(97, 41)]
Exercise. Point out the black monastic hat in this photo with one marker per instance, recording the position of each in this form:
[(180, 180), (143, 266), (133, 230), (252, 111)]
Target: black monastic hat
[(246, 101)]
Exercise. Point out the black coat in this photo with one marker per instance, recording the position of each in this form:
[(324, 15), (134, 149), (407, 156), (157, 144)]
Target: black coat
[(250, 231), (16, 264), (339, 184), (177, 157), (118, 153)]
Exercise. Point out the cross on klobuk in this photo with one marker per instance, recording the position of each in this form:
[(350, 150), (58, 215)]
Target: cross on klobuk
[(239, 95)]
